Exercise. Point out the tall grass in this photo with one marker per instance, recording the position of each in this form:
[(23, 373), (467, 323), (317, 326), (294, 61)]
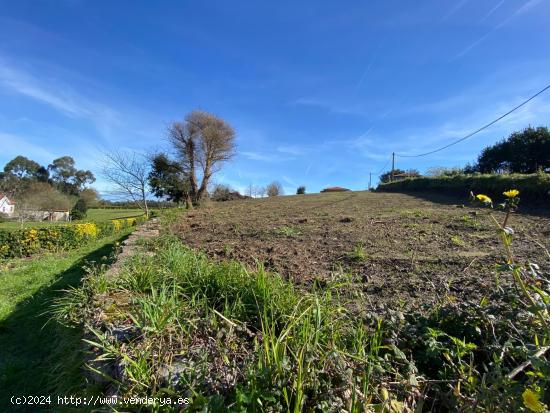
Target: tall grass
[(293, 350)]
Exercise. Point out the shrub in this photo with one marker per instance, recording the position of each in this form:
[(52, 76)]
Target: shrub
[(25, 242), (301, 190), (533, 186), (274, 189), (79, 210)]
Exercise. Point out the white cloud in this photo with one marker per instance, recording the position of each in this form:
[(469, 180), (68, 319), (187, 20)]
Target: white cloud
[(291, 149), (459, 5), (255, 156), (523, 9), (332, 107), (495, 8), (59, 97)]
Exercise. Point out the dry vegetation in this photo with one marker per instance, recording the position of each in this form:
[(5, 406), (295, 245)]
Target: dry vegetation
[(399, 250)]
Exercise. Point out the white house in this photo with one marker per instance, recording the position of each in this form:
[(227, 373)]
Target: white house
[(6, 205)]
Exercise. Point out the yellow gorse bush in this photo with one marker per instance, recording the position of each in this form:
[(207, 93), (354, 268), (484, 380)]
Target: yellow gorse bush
[(25, 242), (86, 230), (117, 224)]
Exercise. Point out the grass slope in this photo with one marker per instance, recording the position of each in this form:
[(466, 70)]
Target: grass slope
[(37, 357)]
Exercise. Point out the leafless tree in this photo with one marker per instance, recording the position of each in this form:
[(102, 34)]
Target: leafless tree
[(128, 172), (261, 191), (202, 143), (274, 189)]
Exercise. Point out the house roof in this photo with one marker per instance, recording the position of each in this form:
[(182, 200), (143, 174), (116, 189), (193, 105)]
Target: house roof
[(2, 196), (334, 188)]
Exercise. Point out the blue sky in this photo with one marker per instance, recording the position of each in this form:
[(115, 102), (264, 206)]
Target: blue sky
[(320, 93)]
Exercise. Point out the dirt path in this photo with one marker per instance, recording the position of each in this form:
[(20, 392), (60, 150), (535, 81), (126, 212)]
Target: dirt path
[(130, 245)]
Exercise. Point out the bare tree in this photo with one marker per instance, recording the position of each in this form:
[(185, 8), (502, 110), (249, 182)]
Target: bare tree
[(129, 173), (202, 143), (274, 189), (261, 191)]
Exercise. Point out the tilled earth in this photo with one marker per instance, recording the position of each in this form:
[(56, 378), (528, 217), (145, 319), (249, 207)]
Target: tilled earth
[(392, 250)]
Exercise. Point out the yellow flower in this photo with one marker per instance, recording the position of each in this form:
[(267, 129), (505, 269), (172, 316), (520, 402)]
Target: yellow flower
[(531, 401), (511, 193), (484, 198)]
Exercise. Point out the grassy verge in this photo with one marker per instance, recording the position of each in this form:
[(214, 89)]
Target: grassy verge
[(532, 186), (36, 357), (177, 324)]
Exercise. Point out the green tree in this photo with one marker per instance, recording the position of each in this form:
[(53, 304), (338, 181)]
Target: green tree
[(25, 168), (67, 178), (167, 179), (526, 151), (301, 190), (19, 173), (79, 210)]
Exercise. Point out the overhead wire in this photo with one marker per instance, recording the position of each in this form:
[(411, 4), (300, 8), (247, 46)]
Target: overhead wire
[(478, 130)]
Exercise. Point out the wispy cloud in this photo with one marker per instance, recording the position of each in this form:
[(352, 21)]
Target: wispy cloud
[(454, 9), (365, 73), (332, 107), (290, 181), (521, 10), (291, 149), (490, 12), (58, 96), (255, 156), (270, 158)]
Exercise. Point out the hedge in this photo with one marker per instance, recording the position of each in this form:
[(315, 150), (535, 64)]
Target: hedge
[(25, 242), (531, 186)]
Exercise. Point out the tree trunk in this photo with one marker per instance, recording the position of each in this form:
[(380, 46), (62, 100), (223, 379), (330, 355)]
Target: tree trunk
[(204, 184)]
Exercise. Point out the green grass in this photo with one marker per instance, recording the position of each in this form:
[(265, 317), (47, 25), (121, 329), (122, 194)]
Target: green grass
[(107, 214), (178, 296), (38, 357), (97, 215), (286, 231)]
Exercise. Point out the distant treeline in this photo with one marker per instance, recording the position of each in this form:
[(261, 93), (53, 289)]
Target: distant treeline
[(531, 186), (105, 204)]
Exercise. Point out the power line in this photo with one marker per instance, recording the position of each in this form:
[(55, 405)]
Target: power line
[(479, 130), (384, 167)]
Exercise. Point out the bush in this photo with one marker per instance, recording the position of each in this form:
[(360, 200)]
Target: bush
[(533, 186), (301, 190), (274, 189), (79, 210), (25, 242), (225, 193)]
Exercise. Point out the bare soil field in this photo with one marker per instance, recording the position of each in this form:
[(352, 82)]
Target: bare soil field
[(391, 249)]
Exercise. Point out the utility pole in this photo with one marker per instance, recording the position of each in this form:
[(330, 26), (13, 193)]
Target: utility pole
[(370, 177), (392, 165)]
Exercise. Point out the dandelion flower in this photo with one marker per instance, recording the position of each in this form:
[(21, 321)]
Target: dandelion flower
[(484, 198), (511, 193), (531, 401)]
